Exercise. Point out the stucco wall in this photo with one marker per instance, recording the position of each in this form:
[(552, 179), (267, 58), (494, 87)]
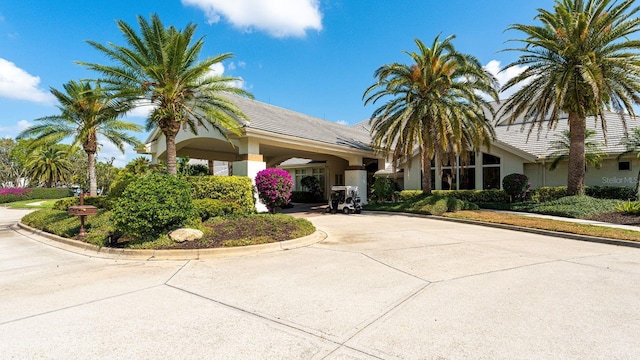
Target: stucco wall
[(607, 175)]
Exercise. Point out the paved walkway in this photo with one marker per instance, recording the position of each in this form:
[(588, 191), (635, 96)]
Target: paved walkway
[(380, 286)]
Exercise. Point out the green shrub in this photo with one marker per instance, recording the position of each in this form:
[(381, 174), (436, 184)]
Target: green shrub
[(475, 196), (99, 227), (579, 206), (152, 205), (408, 194), (611, 192), (208, 208), (312, 184), (548, 193), (383, 189), (120, 184), (49, 193), (238, 189), (516, 186), (425, 204), (629, 207), (101, 202)]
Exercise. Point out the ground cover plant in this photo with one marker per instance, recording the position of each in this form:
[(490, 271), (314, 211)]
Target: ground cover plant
[(424, 204)]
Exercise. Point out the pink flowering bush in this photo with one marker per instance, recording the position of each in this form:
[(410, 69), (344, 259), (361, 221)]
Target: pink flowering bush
[(8, 195), (274, 187)]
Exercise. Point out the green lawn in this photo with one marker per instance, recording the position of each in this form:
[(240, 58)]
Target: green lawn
[(31, 204)]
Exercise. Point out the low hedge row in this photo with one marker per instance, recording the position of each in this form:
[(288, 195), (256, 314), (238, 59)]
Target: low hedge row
[(101, 202), (541, 194), (8, 195)]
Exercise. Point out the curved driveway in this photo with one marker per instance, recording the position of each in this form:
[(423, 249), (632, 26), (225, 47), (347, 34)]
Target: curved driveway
[(379, 286)]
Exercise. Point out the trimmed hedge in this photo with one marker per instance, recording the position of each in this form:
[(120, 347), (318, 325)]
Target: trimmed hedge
[(208, 208), (99, 227), (551, 193), (8, 195), (474, 196), (238, 189)]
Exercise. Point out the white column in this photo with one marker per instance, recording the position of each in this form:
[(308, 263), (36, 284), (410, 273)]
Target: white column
[(250, 163), (356, 175)]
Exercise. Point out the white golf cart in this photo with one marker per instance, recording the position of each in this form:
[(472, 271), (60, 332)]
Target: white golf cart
[(344, 199)]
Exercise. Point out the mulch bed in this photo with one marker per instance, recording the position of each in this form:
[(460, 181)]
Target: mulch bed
[(617, 218)]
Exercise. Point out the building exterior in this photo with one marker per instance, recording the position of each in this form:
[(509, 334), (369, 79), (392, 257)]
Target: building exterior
[(341, 155)]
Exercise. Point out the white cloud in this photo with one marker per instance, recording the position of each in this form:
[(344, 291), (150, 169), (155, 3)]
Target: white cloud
[(13, 131), (503, 76), (16, 83), (108, 150), (142, 110), (216, 69), (279, 18)]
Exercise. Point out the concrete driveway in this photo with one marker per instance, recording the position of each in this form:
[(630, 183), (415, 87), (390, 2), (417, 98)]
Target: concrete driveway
[(379, 286)]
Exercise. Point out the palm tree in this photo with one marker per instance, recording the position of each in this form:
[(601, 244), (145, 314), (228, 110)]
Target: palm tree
[(593, 152), (49, 164), (160, 67), (580, 61), (435, 104), (86, 111)]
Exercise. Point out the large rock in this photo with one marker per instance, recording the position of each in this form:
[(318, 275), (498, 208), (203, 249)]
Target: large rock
[(185, 234)]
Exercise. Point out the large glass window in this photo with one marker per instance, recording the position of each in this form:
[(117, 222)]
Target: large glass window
[(300, 173), (490, 172)]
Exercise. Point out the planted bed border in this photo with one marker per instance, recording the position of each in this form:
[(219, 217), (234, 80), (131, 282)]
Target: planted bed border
[(83, 248)]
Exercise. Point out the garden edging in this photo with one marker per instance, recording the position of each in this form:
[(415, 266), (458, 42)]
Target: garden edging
[(91, 250)]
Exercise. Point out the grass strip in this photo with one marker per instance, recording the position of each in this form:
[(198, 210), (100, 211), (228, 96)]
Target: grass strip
[(546, 224)]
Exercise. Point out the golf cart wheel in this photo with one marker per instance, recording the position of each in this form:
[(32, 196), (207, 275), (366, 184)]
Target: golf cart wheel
[(346, 211), (358, 211)]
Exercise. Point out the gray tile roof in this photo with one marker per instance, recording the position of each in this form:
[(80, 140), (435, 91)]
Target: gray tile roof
[(538, 142), (281, 121)]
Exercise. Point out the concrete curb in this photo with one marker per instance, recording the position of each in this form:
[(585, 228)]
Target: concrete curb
[(569, 236), (90, 250)]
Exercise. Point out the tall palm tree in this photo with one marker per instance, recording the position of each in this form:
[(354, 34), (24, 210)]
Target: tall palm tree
[(435, 104), (581, 60), (48, 164), (593, 152), (86, 111), (160, 67)]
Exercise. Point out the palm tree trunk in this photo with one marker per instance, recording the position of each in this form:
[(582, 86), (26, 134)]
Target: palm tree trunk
[(93, 181), (172, 168), (425, 163), (575, 175)]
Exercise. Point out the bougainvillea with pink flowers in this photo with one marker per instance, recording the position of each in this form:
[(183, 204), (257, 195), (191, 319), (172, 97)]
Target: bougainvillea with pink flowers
[(274, 187)]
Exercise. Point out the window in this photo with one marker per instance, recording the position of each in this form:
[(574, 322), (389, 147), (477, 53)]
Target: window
[(300, 173), (624, 165), (490, 172), (339, 179), (318, 173)]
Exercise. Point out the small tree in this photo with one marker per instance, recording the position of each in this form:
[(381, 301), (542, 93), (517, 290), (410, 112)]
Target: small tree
[(516, 186), (312, 184), (274, 187)]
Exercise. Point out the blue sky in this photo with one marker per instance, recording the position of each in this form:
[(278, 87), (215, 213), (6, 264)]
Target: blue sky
[(310, 56)]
